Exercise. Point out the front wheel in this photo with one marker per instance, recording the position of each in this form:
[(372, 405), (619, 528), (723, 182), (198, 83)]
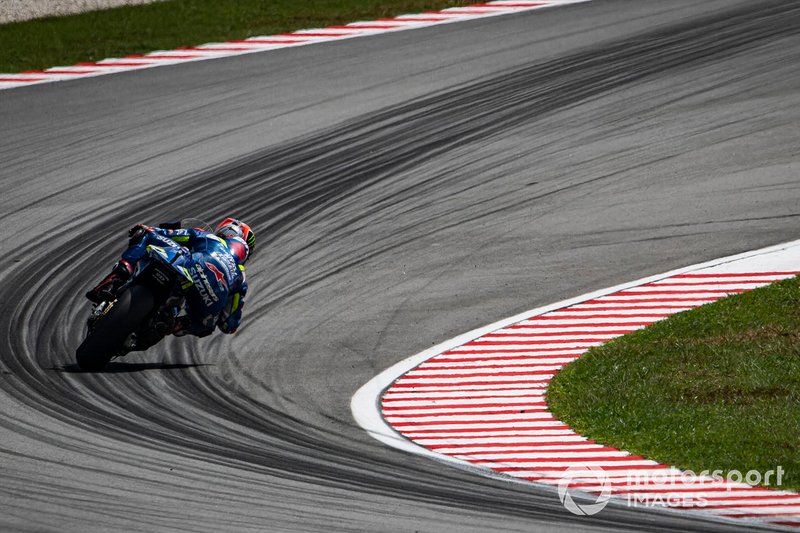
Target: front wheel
[(112, 329)]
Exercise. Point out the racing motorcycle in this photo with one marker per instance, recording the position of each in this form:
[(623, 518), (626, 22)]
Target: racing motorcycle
[(145, 310)]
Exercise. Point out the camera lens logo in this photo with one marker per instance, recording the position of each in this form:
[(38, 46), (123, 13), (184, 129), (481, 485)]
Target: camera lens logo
[(584, 475)]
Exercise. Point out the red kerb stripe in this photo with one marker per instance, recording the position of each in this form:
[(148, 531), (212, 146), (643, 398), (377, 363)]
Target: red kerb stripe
[(762, 515), (501, 359), (497, 366), (735, 274), (387, 408), (506, 411), (507, 5), (530, 342), (700, 283), (410, 428), (627, 307), (516, 350), (753, 505), (531, 451), (584, 459), (564, 468), (564, 315), (593, 333), (222, 49), (115, 64), (165, 56), (520, 444), (415, 19), (647, 300), (366, 27), (465, 12), (580, 324), (406, 385), (460, 425), (632, 291), (263, 41), (636, 488), (388, 396), (318, 34), (415, 376), (76, 72)]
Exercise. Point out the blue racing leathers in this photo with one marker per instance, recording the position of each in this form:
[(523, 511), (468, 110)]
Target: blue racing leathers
[(218, 293)]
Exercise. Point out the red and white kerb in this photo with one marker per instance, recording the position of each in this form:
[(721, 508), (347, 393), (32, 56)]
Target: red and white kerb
[(480, 400), (274, 42)]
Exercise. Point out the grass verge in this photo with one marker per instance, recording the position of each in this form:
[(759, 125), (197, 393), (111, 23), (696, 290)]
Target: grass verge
[(59, 41), (717, 387)]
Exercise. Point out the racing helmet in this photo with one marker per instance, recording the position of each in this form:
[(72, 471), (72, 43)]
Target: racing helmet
[(240, 238)]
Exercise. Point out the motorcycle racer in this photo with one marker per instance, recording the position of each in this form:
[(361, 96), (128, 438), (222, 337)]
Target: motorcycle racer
[(214, 260)]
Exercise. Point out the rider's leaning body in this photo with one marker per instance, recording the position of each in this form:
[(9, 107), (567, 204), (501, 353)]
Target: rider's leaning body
[(214, 260)]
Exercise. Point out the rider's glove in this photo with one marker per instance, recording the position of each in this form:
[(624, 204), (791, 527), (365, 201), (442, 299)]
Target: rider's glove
[(137, 233)]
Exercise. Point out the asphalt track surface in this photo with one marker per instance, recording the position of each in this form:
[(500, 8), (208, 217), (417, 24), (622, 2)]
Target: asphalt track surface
[(405, 188)]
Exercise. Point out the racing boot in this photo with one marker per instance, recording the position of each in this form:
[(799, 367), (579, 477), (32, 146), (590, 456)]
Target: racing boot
[(107, 289)]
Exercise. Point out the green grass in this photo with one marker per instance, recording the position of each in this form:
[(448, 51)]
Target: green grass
[(717, 387), (59, 41)]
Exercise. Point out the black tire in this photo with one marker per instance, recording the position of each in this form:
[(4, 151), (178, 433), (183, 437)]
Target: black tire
[(111, 330)]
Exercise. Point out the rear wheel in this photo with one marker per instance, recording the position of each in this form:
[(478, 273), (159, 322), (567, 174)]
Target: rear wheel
[(112, 329)]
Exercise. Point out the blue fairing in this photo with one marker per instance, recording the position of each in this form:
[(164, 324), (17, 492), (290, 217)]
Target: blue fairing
[(216, 295)]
